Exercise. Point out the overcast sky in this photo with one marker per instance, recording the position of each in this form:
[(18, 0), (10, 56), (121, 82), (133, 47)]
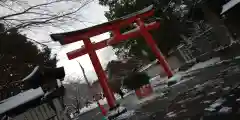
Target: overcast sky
[(94, 13)]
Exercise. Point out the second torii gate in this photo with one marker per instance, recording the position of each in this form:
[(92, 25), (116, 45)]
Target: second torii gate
[(114, 27)]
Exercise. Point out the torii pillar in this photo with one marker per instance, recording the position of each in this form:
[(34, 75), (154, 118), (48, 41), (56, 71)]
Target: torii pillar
[(114, 27)]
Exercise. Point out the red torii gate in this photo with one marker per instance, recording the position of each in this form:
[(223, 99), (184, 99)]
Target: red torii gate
[(114, 27)]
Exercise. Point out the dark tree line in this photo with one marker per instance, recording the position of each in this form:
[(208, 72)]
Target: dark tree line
[(197, 24), (181, 20), (18, 57)]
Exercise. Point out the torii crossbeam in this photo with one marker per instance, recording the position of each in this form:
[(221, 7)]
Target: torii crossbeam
[(113, 27)]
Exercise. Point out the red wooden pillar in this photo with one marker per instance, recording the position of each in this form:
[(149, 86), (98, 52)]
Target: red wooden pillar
[(104, 112), (100, 73), (152, 44)]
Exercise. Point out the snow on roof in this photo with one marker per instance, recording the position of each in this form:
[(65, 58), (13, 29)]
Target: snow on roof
[(59, 83), (20, 99), (148, 66), (229, 5)]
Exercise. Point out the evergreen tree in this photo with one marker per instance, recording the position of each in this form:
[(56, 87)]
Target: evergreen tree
[(18, 57)]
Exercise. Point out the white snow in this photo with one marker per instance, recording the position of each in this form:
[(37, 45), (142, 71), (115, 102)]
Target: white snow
[(204, 64), (120, 109), (225, 110), (226, 88), (130, 99), (171, 114), (94, 105), (20, 99), (177, 77), (183, 111), (217, 103), (210, 109), (237, 57), (156, 81), (59, 83), (229, 5), (126, 115), (211, 93), (148, 66), (231, 95), (206, 101), (88, 108)]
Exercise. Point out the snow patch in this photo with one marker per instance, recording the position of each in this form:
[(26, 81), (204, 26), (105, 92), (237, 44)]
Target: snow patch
[(238, 57), (226, 88), (229, 5), (225, 110), (217, 103), (126, 115), (210, 109), (211, 93), (88, 108), (177, 77), (204, 64), (20, 99), (94, 105), (206, 101), (171, 114)]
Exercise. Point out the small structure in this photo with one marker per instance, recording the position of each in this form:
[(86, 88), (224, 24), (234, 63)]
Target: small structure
[(37, 102)]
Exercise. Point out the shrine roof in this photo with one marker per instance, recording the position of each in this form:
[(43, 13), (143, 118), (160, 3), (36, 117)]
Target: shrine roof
[(229, 5), (57, 36), (20, 99)]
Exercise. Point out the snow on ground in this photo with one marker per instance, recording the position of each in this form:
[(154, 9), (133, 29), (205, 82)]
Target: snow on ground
[(229, 5), (126, 115), (156, 81), (94, 105), (204, 64), (131, 100), (88, 108)]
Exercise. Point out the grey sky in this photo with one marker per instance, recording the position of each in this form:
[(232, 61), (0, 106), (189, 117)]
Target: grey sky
[(94, 14)]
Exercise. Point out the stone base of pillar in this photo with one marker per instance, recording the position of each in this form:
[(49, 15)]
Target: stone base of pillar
[(116, 112)]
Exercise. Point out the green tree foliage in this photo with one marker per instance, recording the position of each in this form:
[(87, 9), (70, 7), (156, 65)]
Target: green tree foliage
[(167, 37), (136, 80), (18, 57)]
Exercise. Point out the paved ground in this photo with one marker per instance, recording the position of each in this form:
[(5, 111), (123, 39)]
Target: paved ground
[(208, 93), (213, 94)]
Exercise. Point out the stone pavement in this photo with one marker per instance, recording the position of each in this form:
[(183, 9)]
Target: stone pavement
[(212, 94), (185, 97)]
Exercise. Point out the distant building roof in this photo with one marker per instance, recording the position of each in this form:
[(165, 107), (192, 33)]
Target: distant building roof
[(229, 5)]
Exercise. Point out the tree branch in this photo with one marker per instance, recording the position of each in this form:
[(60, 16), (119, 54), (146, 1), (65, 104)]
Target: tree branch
[(41, 21), (28, 9)]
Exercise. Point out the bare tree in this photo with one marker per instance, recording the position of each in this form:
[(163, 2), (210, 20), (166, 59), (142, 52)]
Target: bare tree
[(17, 14), (76, 98), (92, 92)]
